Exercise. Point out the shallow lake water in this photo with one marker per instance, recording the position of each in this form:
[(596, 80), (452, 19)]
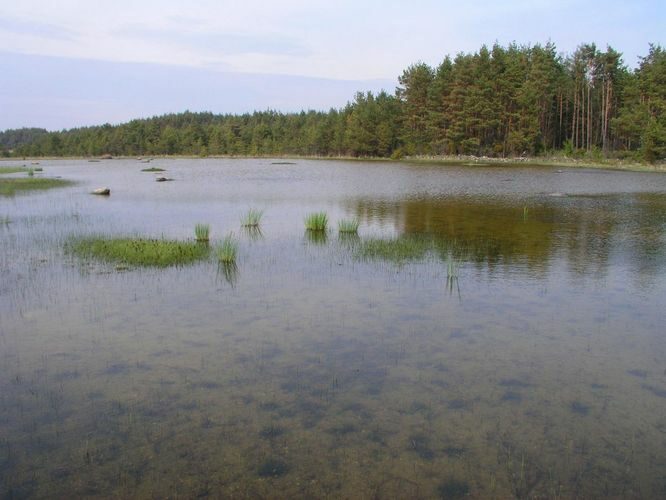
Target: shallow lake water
[(313, 370)]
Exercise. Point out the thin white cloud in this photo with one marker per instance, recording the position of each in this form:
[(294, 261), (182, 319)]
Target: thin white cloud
[(35, 29), (346, 39), (216, 43)]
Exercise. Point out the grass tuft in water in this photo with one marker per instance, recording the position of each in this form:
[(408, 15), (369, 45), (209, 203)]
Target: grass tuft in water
[(12, 170), (202, 232), (348, 225), (228, 249), (10, 186), (152, 169), (139, 251), (317, 221), (252, 218)]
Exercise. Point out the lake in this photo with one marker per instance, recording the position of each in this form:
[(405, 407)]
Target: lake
[(520, 352)]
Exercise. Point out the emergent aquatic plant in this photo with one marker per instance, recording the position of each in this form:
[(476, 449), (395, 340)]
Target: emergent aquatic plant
[(9, 186), (348, 225), (228, 250), (139, 251), (317, 221), (12, 170), (252, 218), (201, 232)]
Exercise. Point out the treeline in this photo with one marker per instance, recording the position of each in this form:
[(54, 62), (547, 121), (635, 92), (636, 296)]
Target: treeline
[(10, 139), (501, 102)]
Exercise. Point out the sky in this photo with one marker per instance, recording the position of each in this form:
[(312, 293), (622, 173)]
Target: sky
[(71, 63)]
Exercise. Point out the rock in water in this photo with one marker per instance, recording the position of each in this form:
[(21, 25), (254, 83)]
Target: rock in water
[(103, 191)]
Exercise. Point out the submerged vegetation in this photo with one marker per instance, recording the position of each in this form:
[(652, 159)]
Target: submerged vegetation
[(139, 251), (398, 250), (10, 185), (411, 248), (317, 221), (228, 249), (252, 218), (498, 102)]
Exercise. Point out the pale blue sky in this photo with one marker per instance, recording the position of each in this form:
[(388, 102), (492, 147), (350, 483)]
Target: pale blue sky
[(79, 62)]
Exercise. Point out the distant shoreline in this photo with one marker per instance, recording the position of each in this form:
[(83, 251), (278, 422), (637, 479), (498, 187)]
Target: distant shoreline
[(549, 161)]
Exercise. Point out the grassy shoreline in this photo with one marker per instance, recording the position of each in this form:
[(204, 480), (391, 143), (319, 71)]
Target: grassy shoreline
[(472, 161)]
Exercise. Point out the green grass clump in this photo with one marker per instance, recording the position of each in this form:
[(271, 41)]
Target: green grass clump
[(398, 250), (317, 221), (152, 169), (252, 218), (202, 232), (228, 249), (9, 186), (348, 225), (12, 170), (139, 251)]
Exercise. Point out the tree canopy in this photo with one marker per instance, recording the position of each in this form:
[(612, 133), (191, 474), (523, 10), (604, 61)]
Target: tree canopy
[(499, 101)]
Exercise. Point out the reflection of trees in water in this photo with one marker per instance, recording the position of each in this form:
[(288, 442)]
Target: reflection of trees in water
[(586, 231)]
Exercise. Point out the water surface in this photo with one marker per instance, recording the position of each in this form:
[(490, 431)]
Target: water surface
[(308, 371)]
